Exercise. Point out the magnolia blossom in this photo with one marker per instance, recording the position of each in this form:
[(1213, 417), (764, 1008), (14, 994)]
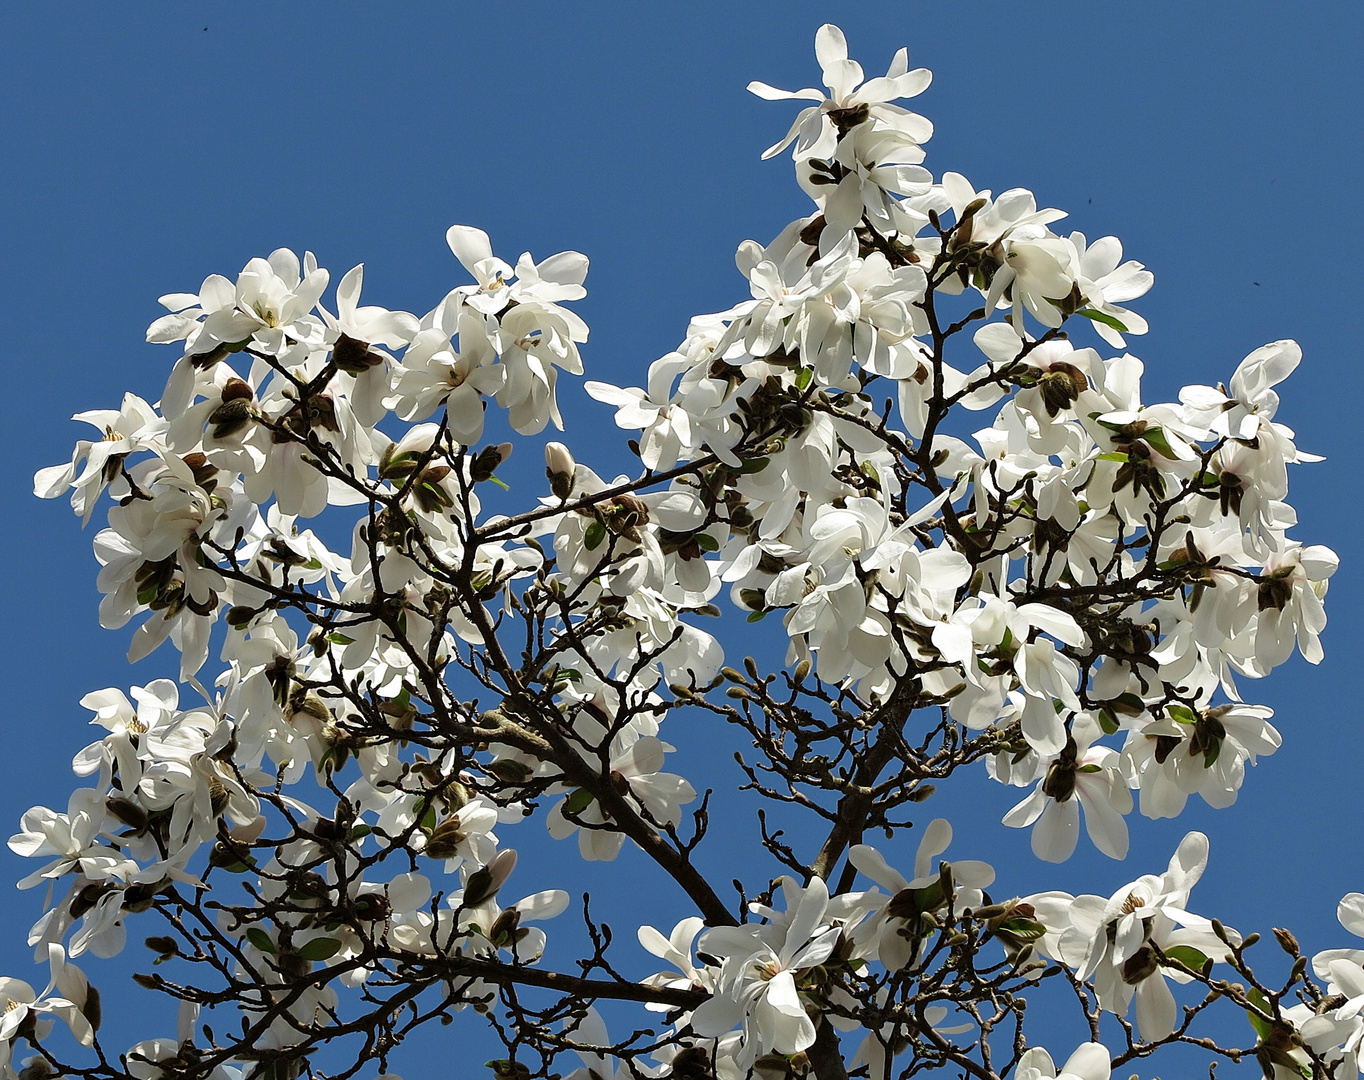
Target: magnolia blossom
[(757, 985), (891, 932), (1088, 1062), (1080, 775), (848, 90), (1120, 942)]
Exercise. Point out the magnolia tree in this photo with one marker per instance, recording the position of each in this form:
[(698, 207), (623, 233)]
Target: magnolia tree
[(991, 558)]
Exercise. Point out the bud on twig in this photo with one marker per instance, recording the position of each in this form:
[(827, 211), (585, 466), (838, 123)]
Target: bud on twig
[(1287, 942), (487, 461), (559, 467), (483, 884)]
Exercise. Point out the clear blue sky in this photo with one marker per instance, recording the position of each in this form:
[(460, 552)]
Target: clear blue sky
[(148, 145)]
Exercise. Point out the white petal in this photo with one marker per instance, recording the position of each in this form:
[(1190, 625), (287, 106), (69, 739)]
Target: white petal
[(1056, 832), (1155, 1008), (717, 1016), (470, 245), (935, 841), (1350, 912), (1089, 1062)]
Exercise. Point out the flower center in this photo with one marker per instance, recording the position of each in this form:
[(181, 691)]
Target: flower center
[(1132, 903), (266, 314)]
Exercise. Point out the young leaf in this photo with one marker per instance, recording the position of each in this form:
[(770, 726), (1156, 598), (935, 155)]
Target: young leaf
[(322, 948), (260, 939)]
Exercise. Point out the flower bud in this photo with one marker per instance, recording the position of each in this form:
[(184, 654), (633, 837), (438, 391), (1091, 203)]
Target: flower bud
[(559, 468), (86, 899), (140, 897), (506, 1069), (445, 839), (1139, 966), (354, 357), (1287, 941), (483, 884), (237, 388), (1060, 385), (1059, 783), (231, 417), (239, 616), (164, 946), (127, 811), (372, 906), (204, 472), (487, 460)]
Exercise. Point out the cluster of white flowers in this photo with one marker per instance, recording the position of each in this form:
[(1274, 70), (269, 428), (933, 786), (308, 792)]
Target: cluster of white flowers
[(1075, 587), (1091, 567), (769, 979)]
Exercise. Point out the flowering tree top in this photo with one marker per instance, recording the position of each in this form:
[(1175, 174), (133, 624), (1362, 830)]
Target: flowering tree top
[(920, 445)]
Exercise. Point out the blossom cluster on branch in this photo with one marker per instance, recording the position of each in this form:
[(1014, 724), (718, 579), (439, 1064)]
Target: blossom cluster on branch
[(1067, 595)]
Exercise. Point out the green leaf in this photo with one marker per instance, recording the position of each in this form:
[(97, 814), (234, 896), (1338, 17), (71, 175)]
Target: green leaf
[(1262, 1027), (313, 564), (1155, 439), (596, 533), (1108, 722), (435, 495), (399, 465), (578, 801), (500, 483), (706, 542), (753, 465), (360, 831), (1116, 455), (1188, 956), (1211, 754), (425, 814), (1026, 929), (1100, 317), (1181, 714), (930, 897), (260, 939), (338, 638), (322, 948), (757, 616), (804, 377)]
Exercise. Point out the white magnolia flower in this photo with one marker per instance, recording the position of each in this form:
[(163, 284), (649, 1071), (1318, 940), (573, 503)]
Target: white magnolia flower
[(893, 932), (1119, 938), (1082, 775), (1090, 1061), (757, 985), (847, 91)]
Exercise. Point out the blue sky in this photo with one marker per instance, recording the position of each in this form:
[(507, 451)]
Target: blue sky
[(149, 145)]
